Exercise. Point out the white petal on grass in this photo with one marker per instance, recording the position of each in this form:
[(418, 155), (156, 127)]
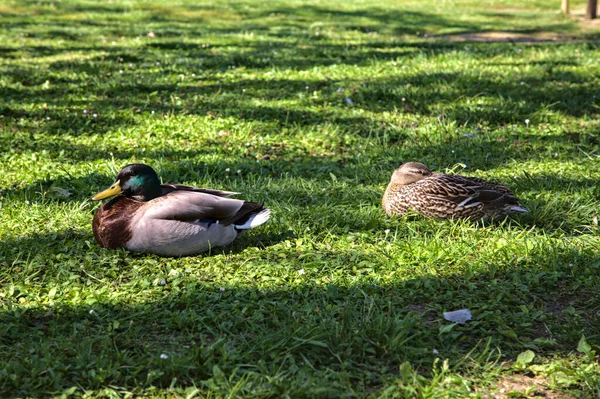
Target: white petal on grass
[(349, 101), (222, 289), (301, 271), (164, 356), (458, 316)]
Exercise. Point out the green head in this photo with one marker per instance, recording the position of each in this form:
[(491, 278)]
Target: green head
[(137, 181)]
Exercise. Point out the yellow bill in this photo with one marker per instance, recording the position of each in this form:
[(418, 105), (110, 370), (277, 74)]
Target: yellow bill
[(109, 192)]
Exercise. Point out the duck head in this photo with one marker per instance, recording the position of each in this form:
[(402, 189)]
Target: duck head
[(410, 172), (136, 181)]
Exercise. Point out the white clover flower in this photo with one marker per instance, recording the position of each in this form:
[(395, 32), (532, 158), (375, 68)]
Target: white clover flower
[(222, 289), (301, 272), (227, 170), (164, 356), (387, 231), (238, 171), (92, 311)]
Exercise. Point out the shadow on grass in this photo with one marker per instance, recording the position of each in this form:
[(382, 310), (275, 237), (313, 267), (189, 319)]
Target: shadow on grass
[(494, 101), (355, 333), (93, 81)]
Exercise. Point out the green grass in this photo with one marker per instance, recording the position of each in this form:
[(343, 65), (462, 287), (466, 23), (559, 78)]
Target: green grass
[(315, 103)]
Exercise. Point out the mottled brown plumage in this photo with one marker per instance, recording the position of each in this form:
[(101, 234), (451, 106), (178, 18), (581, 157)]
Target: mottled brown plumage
[(414, 186), (170, 219)]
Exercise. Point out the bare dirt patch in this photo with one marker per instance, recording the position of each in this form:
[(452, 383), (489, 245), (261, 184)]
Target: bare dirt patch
[(576, 16), (491, 37), (522, 386)]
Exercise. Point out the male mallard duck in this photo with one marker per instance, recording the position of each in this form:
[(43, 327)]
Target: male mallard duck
[(169, 219), (414, 186)]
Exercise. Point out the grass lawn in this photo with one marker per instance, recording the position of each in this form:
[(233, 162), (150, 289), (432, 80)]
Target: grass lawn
[(309, 105)]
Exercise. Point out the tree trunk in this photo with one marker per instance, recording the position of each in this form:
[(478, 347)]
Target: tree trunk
[(564, 6), (590, 12)]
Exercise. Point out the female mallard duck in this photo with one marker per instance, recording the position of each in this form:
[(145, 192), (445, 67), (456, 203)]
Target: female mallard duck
[(169, 219), (414, 186)]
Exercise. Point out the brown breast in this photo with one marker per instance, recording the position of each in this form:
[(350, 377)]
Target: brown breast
[(111, 225)]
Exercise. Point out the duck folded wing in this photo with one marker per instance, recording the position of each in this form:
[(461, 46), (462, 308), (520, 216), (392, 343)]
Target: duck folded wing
[(467, 193), (488, 184), (193, 205)]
